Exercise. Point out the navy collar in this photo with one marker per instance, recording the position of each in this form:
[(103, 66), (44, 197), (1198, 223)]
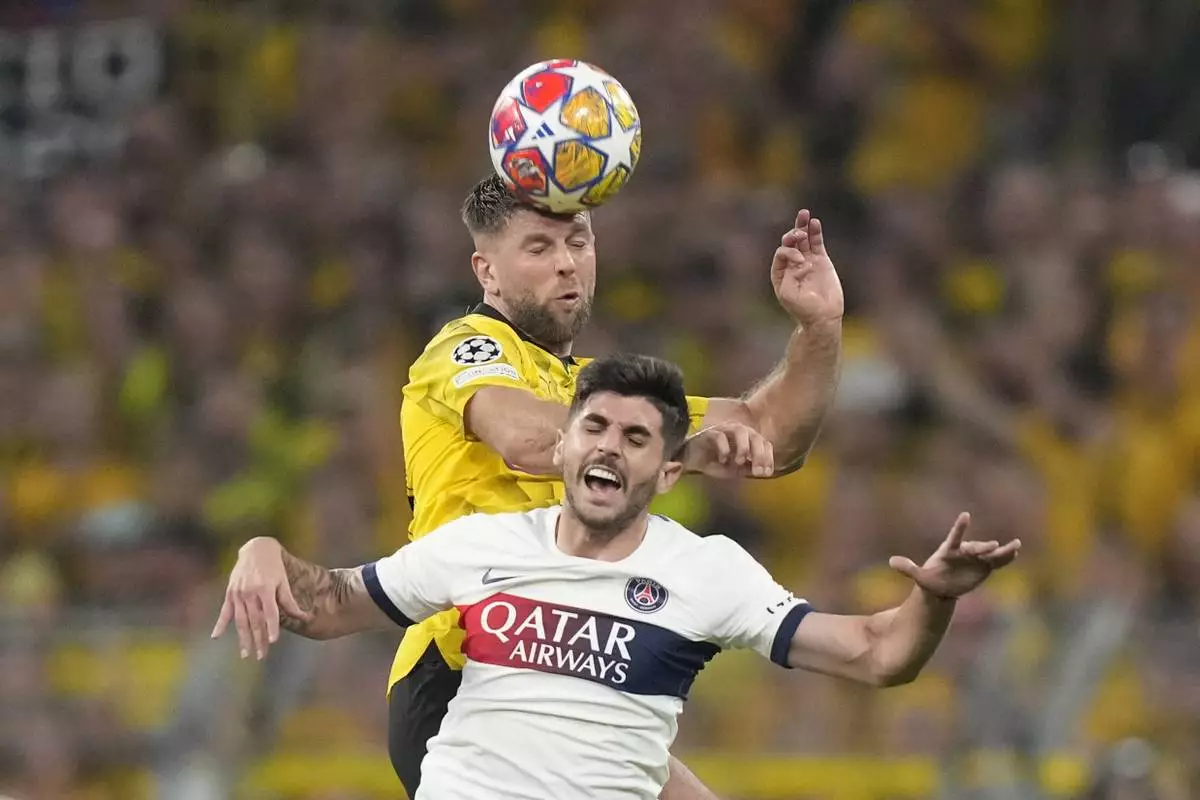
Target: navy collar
[(483, 309)]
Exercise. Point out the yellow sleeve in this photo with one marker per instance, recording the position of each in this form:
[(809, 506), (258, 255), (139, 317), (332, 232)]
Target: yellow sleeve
[(457, 363), (697, 408)]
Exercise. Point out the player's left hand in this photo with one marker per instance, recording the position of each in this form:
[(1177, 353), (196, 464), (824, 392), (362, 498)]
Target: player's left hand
[(957, 567), (802, 273), (729, 450)]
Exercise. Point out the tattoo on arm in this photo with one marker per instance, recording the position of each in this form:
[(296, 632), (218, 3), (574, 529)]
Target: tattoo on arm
[(320, 592)]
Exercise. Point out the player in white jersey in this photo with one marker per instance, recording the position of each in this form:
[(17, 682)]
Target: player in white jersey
[(586, 623)]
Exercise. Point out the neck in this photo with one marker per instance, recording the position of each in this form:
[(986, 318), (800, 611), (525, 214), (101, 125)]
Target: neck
[(575, 538), (498, 304)]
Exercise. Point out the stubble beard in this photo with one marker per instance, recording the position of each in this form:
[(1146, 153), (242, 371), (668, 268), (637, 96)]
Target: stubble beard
[(541, 325), (605, 528)]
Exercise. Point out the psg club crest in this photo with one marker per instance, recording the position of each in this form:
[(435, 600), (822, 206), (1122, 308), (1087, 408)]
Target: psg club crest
[(644, 595)]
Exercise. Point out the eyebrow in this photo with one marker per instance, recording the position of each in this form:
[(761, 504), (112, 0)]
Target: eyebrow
[(535, 238), (635, 429)]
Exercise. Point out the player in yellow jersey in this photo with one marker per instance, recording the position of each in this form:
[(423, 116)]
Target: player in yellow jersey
[(490, 391), (486, 397)]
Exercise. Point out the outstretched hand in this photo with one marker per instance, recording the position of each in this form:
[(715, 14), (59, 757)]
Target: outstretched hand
[(957, 567), (806, 284)]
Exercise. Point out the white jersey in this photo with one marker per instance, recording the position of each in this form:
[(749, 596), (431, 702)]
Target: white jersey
[(577, 669)]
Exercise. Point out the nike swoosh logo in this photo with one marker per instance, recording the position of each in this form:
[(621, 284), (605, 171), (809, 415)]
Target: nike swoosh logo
[(489, 579)]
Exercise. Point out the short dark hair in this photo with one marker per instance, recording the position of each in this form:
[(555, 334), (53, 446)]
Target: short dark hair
[(630, 375), (490, 206)]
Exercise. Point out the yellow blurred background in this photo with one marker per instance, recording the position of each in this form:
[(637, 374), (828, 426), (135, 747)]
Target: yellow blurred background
[(226, 228)]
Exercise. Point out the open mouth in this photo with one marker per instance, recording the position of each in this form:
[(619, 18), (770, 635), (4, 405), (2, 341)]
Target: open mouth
[(569, 297), (602, 480)]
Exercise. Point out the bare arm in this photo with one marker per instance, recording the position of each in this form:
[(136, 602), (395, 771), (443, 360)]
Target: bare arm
[(517, 425), (891, 647), (789, 405), (335, 601), (270, 588), (884, 649)]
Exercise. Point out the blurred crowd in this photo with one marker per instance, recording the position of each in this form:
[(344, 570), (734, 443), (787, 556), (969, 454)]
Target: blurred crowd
[(204, 333)]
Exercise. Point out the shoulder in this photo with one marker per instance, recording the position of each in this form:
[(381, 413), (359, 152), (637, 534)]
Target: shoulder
[(511, 526), (711, 556), (477, 326), (469, 342)]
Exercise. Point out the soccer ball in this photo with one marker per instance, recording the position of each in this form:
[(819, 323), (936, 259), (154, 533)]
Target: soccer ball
[(564, 136)]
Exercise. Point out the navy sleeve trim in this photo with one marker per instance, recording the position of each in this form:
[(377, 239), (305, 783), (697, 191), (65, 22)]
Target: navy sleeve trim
[(375, 589), (787, 629)]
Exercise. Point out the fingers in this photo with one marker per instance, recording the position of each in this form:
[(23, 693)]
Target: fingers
[(242, 622), (723, 449), (762, 458), (787, 255), (270, 618), (905, 567), (1003, 556), (955, 537), (807, 236), (816, 237), (258, 625), (223, 618), (977, 549), (804, 240), (742, 450)]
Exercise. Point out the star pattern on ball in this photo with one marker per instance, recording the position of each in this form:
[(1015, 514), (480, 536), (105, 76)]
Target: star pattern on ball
[(616, 145), (536, 126)]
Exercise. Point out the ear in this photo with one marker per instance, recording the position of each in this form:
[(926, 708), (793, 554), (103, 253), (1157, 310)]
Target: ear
[(485, 273), (668, 475), (558, 450)]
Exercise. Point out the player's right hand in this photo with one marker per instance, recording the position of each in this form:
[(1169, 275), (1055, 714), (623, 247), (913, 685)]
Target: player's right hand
[(258, 588), (729, 450)]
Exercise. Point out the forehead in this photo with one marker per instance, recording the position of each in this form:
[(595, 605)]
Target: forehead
[(524, 223), (623, 411)]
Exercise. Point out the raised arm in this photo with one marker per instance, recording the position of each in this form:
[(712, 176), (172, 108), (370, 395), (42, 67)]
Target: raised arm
[(789, 405), (270, 588), (890, 648)]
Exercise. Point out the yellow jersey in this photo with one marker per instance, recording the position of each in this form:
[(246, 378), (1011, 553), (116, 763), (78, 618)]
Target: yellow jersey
[(449, 473)]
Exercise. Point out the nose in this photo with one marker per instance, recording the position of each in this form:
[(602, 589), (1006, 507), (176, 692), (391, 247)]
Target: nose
[(609, 442), (564, 262)]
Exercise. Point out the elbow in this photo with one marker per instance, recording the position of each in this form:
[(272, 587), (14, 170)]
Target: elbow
[(786, 465), (886, 676), (888, 680), (320, 634), (508, 445), (521, 456)]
